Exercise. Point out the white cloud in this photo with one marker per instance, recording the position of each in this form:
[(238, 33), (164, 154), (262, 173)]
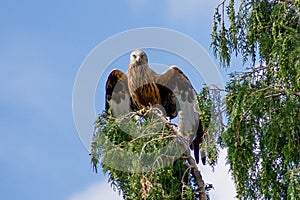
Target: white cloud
[(97, 191), (221, 179)]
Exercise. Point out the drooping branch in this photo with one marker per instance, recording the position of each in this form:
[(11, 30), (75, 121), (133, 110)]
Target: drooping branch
[(195, 171)]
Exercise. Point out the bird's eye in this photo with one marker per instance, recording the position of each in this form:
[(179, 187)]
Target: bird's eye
[(134, 56)]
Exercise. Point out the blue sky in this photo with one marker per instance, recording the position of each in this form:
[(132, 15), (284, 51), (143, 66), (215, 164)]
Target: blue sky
[(43, 44)]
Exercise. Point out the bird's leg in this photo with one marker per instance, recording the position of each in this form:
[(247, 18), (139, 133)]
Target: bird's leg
[(140, 116), (149, 107), (149, 110), (145, 111), (142, 111)]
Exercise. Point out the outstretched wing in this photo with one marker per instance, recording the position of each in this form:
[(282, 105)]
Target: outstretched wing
[(117, 94), (182, 101)]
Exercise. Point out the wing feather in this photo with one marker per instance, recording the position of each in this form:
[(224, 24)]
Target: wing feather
[(117, 94), (182, 101)]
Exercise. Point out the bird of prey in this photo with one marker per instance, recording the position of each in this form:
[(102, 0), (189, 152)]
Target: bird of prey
[(142, 88)]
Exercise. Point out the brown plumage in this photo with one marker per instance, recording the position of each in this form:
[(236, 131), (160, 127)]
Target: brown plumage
[(142, 88)]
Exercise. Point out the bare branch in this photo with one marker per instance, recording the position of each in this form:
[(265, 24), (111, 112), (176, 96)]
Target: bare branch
[(197, 175)]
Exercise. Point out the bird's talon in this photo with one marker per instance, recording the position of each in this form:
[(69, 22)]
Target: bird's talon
[(142, 112)]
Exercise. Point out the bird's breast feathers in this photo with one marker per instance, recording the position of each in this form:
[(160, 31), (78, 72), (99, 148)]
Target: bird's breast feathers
[(142, 86)]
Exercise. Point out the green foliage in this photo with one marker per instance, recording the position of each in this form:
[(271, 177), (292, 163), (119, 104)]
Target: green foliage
[(263, 102), (124, 149), (210, 106), (169, 182), (262, 138)]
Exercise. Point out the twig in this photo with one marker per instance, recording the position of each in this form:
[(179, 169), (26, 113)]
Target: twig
[(182, 181), (221, 4)]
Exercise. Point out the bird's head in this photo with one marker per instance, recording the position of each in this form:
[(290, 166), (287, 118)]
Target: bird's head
[(138, 57)]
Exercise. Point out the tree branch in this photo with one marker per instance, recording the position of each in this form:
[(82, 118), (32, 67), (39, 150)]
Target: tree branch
[(195, 171), (197, 175)]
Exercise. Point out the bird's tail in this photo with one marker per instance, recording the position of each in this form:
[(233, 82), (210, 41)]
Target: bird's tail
[(196, 145), (203, 157)]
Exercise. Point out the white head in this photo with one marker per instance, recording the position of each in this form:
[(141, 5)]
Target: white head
[(138, 57)]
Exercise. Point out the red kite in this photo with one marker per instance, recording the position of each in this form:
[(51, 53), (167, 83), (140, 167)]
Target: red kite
[(142, 88)]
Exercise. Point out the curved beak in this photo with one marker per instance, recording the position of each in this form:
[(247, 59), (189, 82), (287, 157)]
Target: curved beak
[(138, 60)]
